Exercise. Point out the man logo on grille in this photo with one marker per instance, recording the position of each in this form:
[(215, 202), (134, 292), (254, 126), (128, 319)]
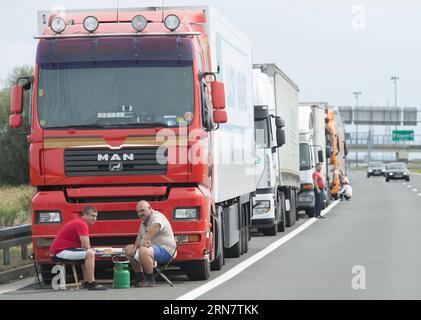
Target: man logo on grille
[(116, 166)]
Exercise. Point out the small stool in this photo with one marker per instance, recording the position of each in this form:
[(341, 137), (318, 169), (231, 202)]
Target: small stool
[(63, 284)]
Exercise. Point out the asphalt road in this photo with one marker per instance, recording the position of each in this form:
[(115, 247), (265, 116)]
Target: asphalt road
[(366, 248)]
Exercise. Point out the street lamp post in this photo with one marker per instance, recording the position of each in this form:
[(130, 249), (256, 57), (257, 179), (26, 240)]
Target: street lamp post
[(356, 94), (395, 81)]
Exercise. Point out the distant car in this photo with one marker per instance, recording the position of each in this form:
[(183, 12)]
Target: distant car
[(397, 170), (376, 168)]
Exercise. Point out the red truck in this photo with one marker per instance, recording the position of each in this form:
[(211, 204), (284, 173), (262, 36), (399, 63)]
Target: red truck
[(133, 105)]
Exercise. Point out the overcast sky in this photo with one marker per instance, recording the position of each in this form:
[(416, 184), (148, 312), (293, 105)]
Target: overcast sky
[(330, 48)]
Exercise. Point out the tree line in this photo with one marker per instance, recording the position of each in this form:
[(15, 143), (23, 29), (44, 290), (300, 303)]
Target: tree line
[(14, 147)]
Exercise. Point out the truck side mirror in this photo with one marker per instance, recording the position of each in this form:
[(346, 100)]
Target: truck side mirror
[(16, 99), (280, 137), (320, 155), (218, 95), (220, 116), (15, 121), (279, 122)]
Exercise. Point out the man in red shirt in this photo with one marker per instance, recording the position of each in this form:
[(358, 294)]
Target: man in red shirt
[(72, 244), (319, 187)]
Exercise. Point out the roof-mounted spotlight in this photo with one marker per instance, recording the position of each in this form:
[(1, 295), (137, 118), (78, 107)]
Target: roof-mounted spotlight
[(139, 23), (91, 24), (58, 25), (172, 22)]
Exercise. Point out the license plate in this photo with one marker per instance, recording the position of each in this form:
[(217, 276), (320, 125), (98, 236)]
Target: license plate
[(398, 176)]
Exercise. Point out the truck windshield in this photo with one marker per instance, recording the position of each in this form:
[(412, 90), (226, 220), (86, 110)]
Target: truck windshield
[(115, 94), (261, 133), (305, 162), (115, 82)]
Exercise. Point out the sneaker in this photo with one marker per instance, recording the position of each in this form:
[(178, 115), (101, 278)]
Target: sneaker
[(93, 286), (321, 217), (145, 284)]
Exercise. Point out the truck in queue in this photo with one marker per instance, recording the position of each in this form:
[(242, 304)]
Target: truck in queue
[(339, 151), (314, 148), (277, 154), (142, 104)]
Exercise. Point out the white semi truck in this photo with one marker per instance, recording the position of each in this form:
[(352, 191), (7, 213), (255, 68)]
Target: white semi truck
[(314, 148), (277, 152)]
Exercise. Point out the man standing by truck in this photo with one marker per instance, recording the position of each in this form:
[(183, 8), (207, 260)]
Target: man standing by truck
[(319, 186)]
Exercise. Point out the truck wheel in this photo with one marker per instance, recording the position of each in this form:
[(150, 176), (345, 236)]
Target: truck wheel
[(198, 269), (271, 231), (219, 260), (46, 274), (292, 207), (387, 179), (246, 239), (282, 222), (310, 212), (407, 179)]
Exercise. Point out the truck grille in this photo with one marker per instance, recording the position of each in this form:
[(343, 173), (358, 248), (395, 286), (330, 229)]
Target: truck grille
[(106, 162)]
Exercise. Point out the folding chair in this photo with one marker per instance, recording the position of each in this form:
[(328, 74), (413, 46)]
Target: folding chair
[(161, 268)]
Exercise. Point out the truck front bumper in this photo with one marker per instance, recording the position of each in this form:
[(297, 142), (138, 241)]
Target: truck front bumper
[(263, 217), (118, 225)]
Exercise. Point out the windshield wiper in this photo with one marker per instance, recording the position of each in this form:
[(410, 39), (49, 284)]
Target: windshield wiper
[(135, 125), (84, 126)]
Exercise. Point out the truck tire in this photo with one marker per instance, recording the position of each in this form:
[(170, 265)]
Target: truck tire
[(282, 222), (198, 269), (46, 274), (387, 179), (270, 231), (293, 206), (246, 239), (310, 212), (290, 218), (219, 260)]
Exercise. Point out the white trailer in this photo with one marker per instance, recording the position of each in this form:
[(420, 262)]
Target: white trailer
[(312, 127), (278, 176), (233, 143)]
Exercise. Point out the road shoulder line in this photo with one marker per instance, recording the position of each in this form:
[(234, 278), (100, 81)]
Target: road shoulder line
[(250, 261)]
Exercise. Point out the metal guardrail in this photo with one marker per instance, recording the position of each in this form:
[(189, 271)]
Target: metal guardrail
[(15, 237)]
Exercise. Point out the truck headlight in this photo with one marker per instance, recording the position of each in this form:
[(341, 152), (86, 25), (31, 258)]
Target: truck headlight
[(261, 207), (391, 174), (186, 213), (405, 173), (369, 170), (48, 217)]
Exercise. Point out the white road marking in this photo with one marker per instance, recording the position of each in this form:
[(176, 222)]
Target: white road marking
[(250, 261), (419, 194), (415, 190), (409, 186), (16, 285)]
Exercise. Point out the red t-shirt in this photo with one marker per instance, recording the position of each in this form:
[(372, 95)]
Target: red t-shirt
[(68, 236), (319, 179)]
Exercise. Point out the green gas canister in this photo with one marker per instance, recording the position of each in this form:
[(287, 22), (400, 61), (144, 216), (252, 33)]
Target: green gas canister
[(121, 275)]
